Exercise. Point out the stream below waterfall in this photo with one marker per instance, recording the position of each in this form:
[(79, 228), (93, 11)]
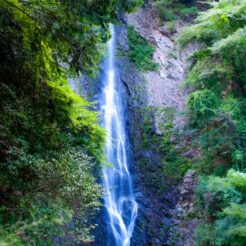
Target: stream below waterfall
[(119, 198)]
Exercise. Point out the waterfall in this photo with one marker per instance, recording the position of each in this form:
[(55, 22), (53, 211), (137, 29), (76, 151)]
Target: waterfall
[(119, 198)]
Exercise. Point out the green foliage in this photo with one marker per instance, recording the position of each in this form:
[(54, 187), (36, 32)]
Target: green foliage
[(221, 61), (205, 235), (166, 15), (132, 5), (225, 17), (46, 195), (140, 51), (202, 105), (191, 11), (217, 75), (51, 141), (223, 199), (175, 166), (170, 10), (170, 25), (216, 112), (231, 226)]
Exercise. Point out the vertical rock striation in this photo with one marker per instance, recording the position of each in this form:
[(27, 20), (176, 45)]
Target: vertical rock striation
[(154, 89)]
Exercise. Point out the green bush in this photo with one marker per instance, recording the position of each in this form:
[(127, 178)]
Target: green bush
[(175, 167), (170, 10), (132, 5), (204, 235), (192, 11), (140, 51), (171, 25), (222, 203), (217, 75), (217, 118), (51, 141), (219, 63), (167, 15), (202, 105)]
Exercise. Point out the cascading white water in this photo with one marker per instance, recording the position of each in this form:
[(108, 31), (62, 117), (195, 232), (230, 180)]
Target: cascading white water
[(119, 198)]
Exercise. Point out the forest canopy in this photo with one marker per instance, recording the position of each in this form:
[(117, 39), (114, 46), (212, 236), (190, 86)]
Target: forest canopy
[(50, 140), (217, 113)]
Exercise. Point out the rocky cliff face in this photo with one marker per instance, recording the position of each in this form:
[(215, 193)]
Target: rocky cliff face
[(155, 90), (164, 86)]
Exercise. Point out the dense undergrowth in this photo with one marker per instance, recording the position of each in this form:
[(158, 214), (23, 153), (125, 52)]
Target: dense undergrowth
[(50, 141), (217, 115), (169, 11), (213, 142), (140, 51)]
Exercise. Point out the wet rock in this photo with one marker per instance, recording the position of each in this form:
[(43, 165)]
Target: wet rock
[(139, 196), (155, 89), (167, 221)]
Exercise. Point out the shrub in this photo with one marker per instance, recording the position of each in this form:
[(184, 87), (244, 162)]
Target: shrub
[(140, 51), (170, 10), (167, 15), (202, 105), (222, 203), (171, 25), (217, 111), (186, 12)]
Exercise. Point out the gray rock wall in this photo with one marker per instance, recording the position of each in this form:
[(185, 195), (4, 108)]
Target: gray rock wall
[(156, 223), (153, 222)]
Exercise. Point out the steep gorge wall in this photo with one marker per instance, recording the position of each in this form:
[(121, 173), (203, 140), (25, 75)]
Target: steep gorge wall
[(155, 90)]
